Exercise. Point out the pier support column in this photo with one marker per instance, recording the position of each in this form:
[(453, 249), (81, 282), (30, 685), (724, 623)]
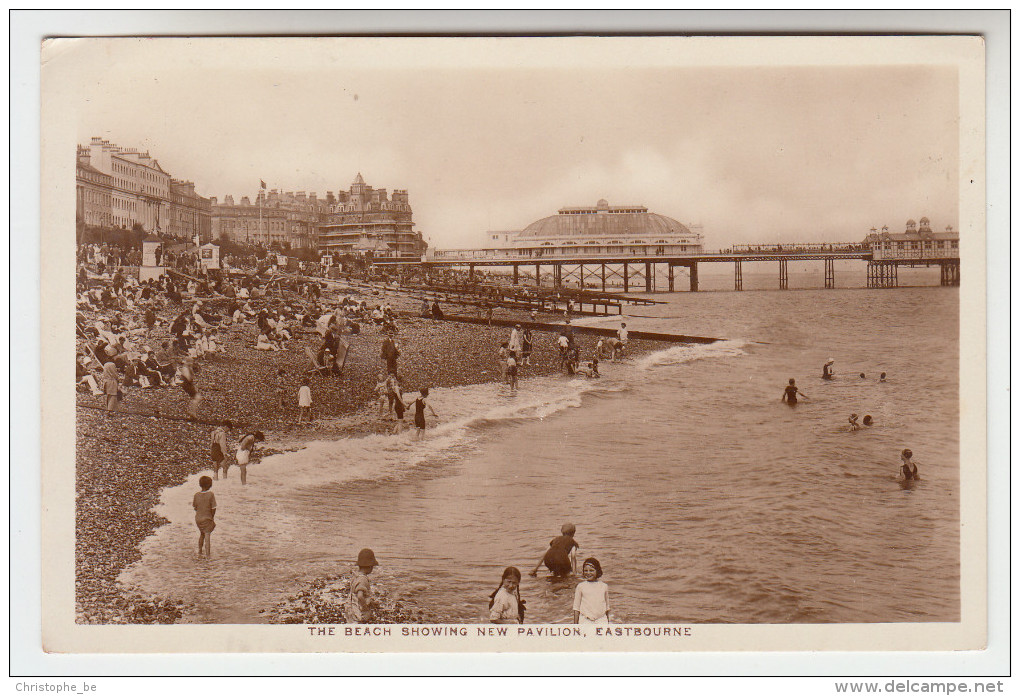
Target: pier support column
[(830, 274), (603, 277), (471, 272), (738, 275), (669, 274), (516, 274), (648, 277), (580, 273), (626, 277), (538, 275), (784, 275), (558, 276), (694, 276)]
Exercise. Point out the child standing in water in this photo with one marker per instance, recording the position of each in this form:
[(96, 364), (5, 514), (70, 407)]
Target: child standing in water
[(791, 393), (204, 503), (561, 556), (419, 413), (505, 604), (218, 449), (245, 449), (591, 598), (359, 599)]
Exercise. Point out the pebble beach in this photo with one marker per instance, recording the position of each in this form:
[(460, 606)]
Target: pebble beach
[(123, 461)]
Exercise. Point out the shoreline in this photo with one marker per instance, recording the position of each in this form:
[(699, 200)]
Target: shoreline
[(123, 462)]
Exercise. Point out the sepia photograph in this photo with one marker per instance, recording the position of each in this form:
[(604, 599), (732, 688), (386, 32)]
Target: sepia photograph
[(513, 343)]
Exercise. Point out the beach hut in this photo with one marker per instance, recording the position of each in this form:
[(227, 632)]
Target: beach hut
[(152, 259)]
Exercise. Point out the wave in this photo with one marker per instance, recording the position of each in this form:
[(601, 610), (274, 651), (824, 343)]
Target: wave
[(685, 353)]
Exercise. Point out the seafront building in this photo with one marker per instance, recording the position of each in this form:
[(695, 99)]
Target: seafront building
[(917, 241), (283, 220), (616, 231), (366, 221), (123, 187)]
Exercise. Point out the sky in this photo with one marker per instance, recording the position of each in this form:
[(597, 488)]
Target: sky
[(756, 153)]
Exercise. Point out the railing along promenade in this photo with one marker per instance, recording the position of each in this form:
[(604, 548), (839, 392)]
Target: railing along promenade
[(593, 266)]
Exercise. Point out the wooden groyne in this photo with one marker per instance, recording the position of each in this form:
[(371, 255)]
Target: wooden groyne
[(590, 330)]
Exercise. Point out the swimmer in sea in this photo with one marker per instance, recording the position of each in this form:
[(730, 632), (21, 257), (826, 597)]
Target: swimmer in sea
[(863, 376), (881, 377), (854, 425), (827, 369), (791, 392), (908, 469), (867, 421)]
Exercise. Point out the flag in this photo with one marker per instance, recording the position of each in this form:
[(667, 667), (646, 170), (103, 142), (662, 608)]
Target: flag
[(263, 183)]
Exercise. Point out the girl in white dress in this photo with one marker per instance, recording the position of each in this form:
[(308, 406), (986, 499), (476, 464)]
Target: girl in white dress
[(591, 598)]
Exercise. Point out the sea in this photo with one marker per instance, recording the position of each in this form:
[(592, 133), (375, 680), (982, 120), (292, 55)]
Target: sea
[(705, 499)]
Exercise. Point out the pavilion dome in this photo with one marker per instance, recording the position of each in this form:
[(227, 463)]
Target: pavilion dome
[(604, 221)]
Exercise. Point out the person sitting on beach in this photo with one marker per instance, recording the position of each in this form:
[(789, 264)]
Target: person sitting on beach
[(590, 369), (505, 604), (85, 377), (623, 334), (420, 405), (218, 449), (827, 369), (591, 597), (148, 370), (437, 313), (377, 316), (854, 425), (425, 311), (204, 503), (561, 556), (908, 468), (264, 343), (868, 421), (358, 608), (245, 449), (791, 392)]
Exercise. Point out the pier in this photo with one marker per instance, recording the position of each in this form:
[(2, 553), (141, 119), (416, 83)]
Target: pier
[(638, 273)]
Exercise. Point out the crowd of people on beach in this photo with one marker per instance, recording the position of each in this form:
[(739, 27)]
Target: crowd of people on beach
[(908, 468), (192, 319)]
